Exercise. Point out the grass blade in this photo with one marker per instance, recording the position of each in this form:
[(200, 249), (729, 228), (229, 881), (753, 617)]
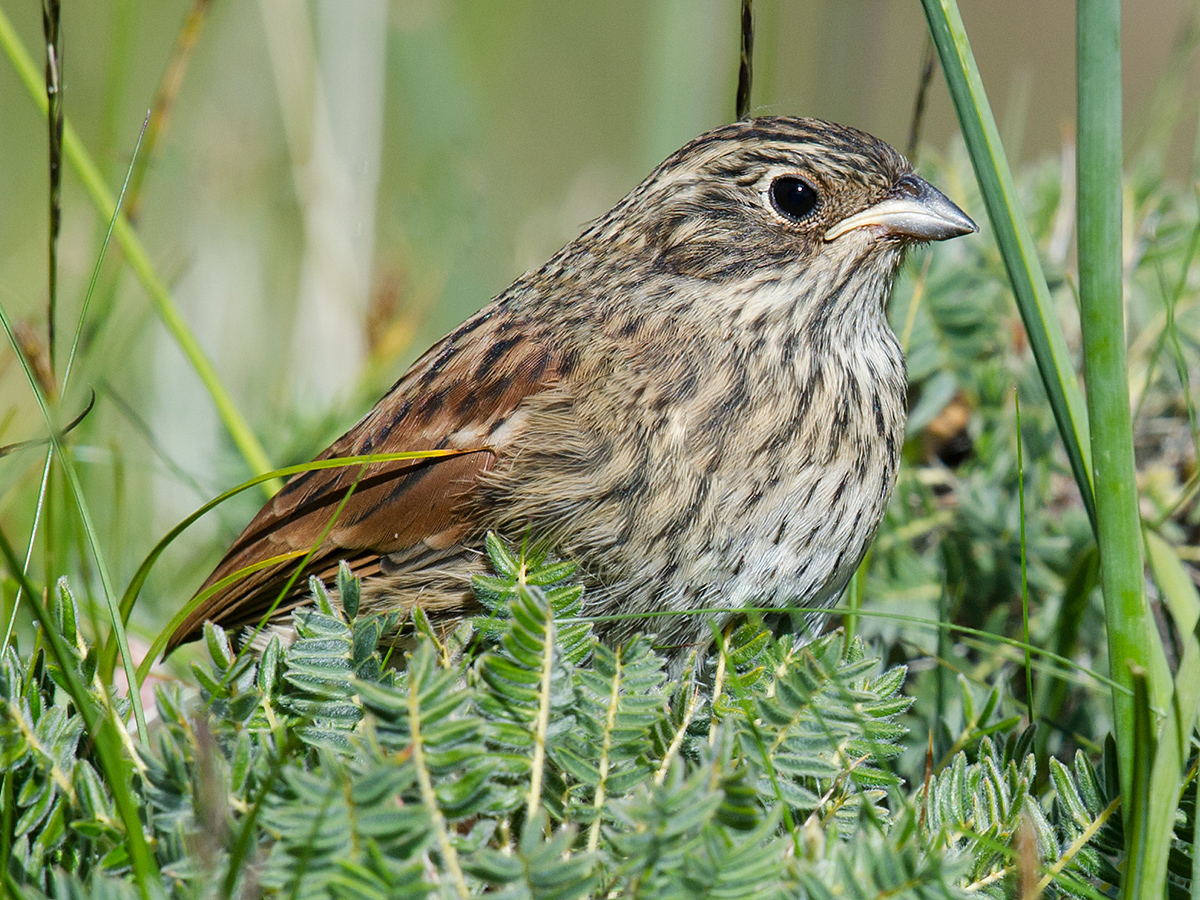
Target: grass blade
[(1181, 598), (1119, 529), (1029, 696), (104, 729), (160, 298), (143, 572), (72, 476), (51, 16), (1012, 235)]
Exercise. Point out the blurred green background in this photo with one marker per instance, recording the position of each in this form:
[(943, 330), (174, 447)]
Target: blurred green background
[(339, 183)]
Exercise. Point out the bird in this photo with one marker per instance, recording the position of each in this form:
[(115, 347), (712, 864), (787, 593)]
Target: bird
[(698, 400)]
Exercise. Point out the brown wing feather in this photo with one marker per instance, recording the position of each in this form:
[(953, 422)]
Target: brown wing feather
[(455, 397)]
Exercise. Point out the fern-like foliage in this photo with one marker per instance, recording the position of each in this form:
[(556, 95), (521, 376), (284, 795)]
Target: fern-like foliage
[(56, 809), (884, 863), (528, 684), (620, 702), (985, 806), (819, 732), (536, 763)]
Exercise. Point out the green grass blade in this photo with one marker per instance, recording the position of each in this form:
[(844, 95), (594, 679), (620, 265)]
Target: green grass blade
[(1029, 696), (38, 510), (51, 19), (1182, 600), (1138, 812), (1195, 841), (130, 596), (72, 475), (104, 729), (1012, 235), (1119, 528), (160, 297), (87, 297)]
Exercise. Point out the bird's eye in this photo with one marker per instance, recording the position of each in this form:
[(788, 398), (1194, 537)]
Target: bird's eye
[(794, 197)]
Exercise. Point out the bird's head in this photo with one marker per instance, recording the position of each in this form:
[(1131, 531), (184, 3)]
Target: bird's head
[(786, 201)]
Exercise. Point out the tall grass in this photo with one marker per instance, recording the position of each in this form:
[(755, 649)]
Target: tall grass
[(139, 261), (1153, 720)]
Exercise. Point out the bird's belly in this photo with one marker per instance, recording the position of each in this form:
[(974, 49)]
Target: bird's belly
[(799, 544)]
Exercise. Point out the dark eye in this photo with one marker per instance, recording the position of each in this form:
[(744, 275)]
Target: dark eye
[(795, 198)]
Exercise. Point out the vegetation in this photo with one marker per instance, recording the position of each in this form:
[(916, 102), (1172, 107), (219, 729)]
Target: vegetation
[(1006, 709), (546, 766)]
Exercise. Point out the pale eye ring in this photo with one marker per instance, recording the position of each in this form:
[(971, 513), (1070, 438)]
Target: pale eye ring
[(793, 197)]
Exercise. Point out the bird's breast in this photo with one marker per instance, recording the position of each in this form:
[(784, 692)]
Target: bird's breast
[(806, 478), (716, 477)]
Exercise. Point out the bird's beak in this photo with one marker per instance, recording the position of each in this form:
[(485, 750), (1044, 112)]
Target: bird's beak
[(915, 210)]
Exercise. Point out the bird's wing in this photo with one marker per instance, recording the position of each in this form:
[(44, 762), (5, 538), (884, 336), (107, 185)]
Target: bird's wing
[(460, 395)]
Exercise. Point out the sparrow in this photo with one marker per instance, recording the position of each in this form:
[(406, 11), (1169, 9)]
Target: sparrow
[(698, 400)]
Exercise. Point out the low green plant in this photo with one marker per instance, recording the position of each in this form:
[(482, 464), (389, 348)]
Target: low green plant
[(522, 758)]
